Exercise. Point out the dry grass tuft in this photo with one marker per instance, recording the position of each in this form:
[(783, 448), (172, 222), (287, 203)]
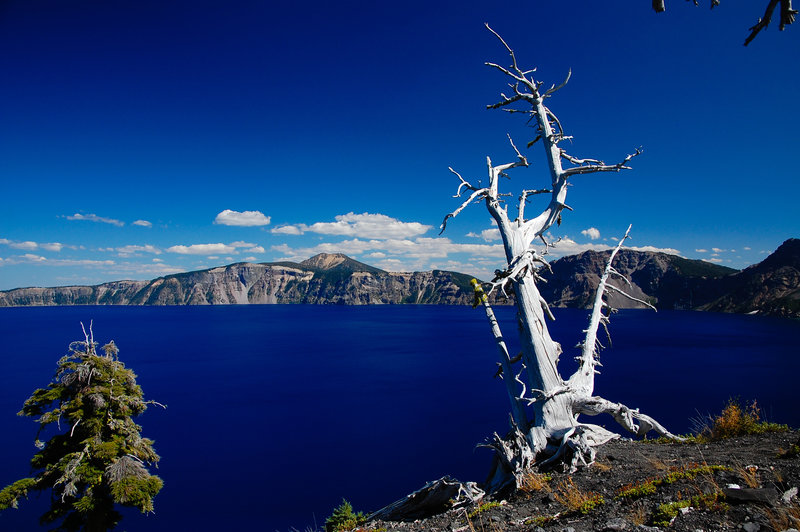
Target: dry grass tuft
[(575, 500), (638, 514), (533, 482), (749, 475), (736, 420), (657, 464), (603, 467), (784, 518)]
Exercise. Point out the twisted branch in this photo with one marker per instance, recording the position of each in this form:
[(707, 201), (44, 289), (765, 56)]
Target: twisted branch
[(587, 166)]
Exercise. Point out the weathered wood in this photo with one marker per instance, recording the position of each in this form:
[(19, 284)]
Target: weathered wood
[(434, 497), (507, 373), (549, 432)]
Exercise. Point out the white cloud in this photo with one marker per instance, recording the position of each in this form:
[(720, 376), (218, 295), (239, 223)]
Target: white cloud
[(249, 247), (592, 233), (701, 250), (713, 260), (289, 229), (670, 251), (30, 258), (214, 251), (242, 219), (490, 234), (138, 270), (718, 250), (29, 245), (250, 259), (143, 223), (368, 225), (95, 218), (203, 249), (125, 251), (420, 249), (746, 248)]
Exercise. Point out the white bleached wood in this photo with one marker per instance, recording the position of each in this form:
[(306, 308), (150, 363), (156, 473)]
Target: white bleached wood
[(514, 396), (550, 432)]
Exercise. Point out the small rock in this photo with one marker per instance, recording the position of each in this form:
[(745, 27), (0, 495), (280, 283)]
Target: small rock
[(788, 495), (748, 495), (568, 529), (733, 486), (496, 518), (751, 527), (616, 524), (645, 528)]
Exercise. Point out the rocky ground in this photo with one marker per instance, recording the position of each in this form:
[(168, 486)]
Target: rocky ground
[(735, 484)]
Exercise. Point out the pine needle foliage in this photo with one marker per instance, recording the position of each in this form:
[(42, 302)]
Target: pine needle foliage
[(343, 518), (96, 457)]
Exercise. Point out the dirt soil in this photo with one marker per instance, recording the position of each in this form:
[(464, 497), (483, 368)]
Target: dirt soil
[(754, 492)]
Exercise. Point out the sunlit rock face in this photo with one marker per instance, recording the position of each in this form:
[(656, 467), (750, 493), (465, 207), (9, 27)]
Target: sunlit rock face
[(666, 281), (323, 279)]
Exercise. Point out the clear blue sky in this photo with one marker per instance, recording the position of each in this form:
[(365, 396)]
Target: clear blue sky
[(144, 138)]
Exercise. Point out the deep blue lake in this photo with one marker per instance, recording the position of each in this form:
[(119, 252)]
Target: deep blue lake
[(277, 412)]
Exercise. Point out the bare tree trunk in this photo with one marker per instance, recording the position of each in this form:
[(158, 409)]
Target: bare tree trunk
[(550, 431)]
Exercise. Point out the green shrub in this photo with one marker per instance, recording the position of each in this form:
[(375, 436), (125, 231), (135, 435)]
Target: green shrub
[(650, 486), (665, 513), (343, 518), (483, 508)]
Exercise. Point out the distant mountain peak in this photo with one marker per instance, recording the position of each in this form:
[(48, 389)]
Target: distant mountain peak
[(787, 253), (339, 262)]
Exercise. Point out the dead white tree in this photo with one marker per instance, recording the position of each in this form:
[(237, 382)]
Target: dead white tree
[(544, 406)]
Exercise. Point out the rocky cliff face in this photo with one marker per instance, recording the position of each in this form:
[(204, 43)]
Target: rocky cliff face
[(323, 279), (769, 287), (666, 281), (116, 293)]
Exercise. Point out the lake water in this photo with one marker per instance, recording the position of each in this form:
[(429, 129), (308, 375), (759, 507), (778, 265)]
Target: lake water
[(277, 412)]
